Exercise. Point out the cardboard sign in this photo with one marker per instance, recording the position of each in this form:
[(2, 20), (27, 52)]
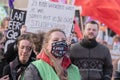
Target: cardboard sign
[(45, 15)]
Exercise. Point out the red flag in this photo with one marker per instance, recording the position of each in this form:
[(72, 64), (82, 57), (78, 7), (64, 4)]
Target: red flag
[(77, 30), (106, 11), (78, 2), (54, 0), (118, 1), (60, 1), (65, 1)]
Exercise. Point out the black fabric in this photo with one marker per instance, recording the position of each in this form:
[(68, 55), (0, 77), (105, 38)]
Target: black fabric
[(94, 61), (117, 75), (11, 52), (16, 65), (89, 43), (3, 62)]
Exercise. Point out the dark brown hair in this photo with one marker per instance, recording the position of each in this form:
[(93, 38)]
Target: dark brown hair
[(91, 22), (37, 40), (24, 37)]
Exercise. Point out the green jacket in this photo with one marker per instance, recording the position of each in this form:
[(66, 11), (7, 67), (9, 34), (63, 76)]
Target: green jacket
[(48, 73)]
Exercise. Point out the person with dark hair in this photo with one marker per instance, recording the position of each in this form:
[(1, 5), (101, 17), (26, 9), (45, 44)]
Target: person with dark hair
[(54, 62), (37, 40), (3, 61), (92, 58), (11, 51), (15, 69)]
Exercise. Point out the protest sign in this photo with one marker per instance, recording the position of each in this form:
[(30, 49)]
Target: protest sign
[(17, 18), (45, 15)]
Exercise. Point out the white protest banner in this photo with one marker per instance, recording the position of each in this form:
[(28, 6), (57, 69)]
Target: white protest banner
[(45, 15)]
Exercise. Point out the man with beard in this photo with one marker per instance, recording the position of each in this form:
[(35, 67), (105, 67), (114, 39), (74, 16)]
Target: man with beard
[(92, 58)]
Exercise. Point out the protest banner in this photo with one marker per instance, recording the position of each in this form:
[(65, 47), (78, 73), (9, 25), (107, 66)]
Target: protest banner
[(17, 18), (45, 15)]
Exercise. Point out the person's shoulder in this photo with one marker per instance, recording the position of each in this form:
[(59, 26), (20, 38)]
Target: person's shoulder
[(37, 62), (32, 70), (31, 66), (74, 67), (103, 46), (6, 70), (75, 44), (6, 67)]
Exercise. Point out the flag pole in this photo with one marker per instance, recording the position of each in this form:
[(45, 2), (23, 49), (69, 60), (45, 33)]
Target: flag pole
[(81, 19)]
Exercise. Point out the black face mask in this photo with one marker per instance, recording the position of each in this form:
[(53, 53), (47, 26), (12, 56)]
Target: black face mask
[(59, 49)]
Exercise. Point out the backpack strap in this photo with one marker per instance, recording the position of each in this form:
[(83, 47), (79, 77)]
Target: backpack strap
[(21, 73)]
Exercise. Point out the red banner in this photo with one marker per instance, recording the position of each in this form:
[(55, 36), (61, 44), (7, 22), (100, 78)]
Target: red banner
[(77, 30), (106, 11)]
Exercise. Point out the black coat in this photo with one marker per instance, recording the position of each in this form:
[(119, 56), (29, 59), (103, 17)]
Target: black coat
[(117, 75), (3, 62), (16, 68), (11, 52), (93, 59)]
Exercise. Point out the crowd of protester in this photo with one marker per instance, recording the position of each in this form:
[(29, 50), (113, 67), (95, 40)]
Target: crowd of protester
[(53, 56)]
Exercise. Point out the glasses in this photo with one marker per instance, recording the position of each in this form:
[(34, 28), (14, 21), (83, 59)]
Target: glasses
[(27, 48)]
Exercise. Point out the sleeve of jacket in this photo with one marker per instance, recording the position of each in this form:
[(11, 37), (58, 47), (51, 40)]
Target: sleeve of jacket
[(31, 73), (7, 71), (108, 67)]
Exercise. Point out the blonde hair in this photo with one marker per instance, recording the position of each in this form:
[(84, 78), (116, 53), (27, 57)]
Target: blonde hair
[(58, 68), (48, 34)]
